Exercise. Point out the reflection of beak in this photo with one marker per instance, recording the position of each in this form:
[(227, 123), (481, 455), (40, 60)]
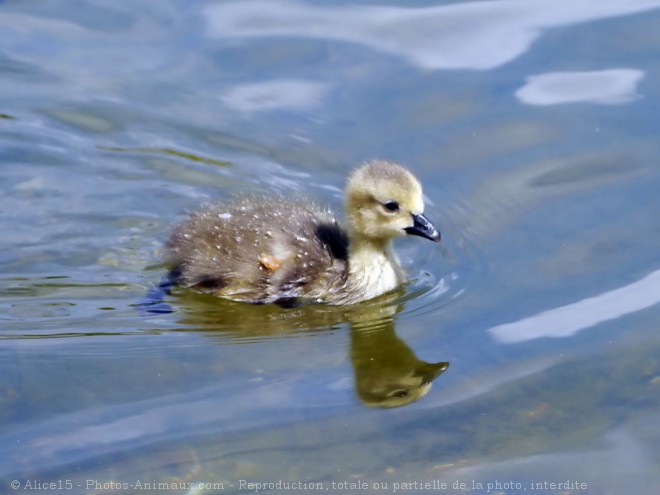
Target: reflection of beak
[(423, 228), (431, 371)]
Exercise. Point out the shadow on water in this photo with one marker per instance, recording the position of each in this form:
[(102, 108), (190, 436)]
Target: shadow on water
[(386, 370)]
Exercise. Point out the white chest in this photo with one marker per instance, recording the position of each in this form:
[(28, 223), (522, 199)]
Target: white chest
[(375, 276)]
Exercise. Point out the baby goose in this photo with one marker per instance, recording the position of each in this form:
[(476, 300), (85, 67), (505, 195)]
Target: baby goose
[(273, 250)]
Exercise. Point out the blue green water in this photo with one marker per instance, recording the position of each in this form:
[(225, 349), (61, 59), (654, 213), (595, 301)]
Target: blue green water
[(533, 127)]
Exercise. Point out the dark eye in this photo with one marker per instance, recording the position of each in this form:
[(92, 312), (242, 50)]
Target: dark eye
[(391, 205)]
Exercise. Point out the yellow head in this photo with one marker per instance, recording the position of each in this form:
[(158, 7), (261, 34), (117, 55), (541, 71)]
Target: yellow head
[(384, 200)]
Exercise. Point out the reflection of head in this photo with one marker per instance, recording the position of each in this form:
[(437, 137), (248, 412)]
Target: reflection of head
[(387, 372), (383, 390)]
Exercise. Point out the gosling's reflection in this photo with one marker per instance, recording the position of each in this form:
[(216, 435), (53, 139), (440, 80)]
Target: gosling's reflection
[(387, 371)]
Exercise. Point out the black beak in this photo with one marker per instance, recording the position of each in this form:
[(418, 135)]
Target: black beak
[(423, 228)]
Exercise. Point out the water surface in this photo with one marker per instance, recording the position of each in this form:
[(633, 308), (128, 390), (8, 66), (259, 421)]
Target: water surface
[(532, 126)]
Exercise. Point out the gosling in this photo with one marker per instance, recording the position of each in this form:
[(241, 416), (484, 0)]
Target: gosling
[(272, 250)]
